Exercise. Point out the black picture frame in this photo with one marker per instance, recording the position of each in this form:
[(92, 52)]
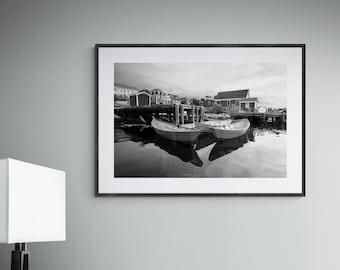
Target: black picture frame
[(255, 45)]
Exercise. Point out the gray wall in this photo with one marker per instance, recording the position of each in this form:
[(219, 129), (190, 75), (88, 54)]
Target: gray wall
[(47, 116)]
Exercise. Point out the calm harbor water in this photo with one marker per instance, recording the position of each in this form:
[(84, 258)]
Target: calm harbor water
[(140, 152)]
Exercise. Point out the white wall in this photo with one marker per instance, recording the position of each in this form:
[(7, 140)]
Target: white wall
[(47, 116)]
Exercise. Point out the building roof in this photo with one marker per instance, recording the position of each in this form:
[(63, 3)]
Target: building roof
[(126, 86), (140, 93), (232, 94), (248, 99), (156, 89)]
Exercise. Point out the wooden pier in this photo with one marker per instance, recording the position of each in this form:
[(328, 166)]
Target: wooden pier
[(183, 114), (177, 114), (267, 119)]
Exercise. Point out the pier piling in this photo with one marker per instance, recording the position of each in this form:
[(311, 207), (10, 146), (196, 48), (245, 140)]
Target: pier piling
[(176, 114), (182, 114)]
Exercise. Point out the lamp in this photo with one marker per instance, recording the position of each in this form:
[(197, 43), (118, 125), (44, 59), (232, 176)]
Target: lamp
[(32, 207)]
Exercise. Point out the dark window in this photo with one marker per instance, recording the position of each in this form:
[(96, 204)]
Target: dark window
[(252, 106)]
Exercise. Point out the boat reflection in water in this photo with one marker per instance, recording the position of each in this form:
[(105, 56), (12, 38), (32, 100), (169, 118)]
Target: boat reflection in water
[(140, 152), (145, 134), (225, 147), (136, 133), (186, 152)]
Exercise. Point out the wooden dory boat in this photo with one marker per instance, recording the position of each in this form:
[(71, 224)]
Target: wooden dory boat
[(226, 129), (182, 133)]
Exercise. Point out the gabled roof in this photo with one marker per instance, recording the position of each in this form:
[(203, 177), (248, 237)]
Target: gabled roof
[(140, 93), (232, 94)]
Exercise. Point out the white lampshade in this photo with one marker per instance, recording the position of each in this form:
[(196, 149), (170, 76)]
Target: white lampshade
[(32, 203)]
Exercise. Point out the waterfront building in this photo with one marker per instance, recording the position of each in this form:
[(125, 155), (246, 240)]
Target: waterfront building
[(141, 98), (124, 90), (158, 96), (194, 101), (236, 101), (167, 99), (175, 99), (184, 100), (207, 101), (121, 100)]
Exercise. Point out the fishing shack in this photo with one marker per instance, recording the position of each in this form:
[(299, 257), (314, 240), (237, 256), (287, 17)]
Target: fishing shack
[(140, 99)]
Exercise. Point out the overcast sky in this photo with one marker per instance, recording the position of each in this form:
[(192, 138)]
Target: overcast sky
[(266, 81)]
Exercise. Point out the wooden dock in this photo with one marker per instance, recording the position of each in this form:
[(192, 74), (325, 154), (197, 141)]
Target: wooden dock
[(183, 114), (177, 114), (267, 119)]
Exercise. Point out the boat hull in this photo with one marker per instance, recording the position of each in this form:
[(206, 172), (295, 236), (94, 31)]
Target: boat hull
[(171, 132), (221, 134), (178, 136), (226, 129)]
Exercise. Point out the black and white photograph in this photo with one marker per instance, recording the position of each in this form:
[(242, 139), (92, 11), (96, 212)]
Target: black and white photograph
[(201, 120)]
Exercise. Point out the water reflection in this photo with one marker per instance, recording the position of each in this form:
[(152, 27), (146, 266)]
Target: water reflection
[(204, 140), (183, 151), (144, 134), (225, 147), (140, 152), (136, 133)]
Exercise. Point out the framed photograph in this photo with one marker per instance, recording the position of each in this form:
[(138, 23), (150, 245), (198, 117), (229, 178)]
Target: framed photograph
[(201, 119)]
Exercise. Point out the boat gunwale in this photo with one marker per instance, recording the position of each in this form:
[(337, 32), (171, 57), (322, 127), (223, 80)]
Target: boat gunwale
[(231, 129), (185, 129)]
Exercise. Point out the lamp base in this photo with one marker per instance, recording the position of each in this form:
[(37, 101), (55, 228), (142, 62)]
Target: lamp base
[(20, 257)]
